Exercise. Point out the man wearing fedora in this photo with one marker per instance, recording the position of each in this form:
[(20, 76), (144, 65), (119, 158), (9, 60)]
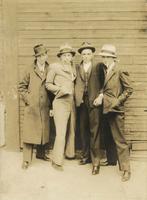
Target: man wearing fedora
[(117, 88), (87, 88), (60, 81), (36, 114)]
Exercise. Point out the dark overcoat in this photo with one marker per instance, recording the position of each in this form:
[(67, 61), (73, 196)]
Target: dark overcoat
[(37, 103)]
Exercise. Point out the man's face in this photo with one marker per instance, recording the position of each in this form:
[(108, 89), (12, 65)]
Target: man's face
[(66, 58), (42, 58), (87, 55), (107, 60)]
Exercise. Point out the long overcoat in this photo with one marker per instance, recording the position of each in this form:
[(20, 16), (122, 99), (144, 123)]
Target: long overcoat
[(37, 103)]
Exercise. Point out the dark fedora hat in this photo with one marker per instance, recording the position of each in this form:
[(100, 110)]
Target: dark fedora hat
[(86, 45), (66, 48), (39, 49)]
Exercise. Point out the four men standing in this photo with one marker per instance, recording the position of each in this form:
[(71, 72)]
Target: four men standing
[(95, 88)]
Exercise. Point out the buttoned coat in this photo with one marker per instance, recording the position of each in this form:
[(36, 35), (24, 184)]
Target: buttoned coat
[(59, 80), (95, 83), (36, 99), (117, 88)]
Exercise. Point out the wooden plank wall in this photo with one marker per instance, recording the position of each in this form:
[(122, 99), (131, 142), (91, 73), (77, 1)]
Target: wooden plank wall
[(1, 51), (120, 22)]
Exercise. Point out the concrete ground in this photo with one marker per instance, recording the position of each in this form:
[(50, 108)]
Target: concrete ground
[(42, 182)]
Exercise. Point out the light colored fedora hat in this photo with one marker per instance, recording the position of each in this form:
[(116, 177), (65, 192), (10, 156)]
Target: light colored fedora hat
[(66, 48), (39, 49), (108, 50), (86, 45)]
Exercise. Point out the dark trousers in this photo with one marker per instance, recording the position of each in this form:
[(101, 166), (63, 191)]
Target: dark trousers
[(90, 131), (107, 142), (116, 123), (28, 151)]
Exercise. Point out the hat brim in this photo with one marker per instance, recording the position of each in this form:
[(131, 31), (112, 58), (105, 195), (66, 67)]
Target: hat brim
[(107, 54), (72, 52), (40, 53), (82, 48)]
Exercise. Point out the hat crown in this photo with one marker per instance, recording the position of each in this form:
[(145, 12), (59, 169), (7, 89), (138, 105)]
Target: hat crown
[(109, 48), (39, 49), (65, 47), (86, 45)]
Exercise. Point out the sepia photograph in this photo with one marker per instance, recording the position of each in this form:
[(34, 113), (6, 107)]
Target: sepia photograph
[(73, 99)]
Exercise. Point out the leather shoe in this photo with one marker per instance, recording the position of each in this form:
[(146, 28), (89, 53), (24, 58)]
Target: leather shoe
[(104, 163), (25, 165), (46, 158), (84, 161), (57, 167), (112, 163), (68, 158), (95, 170), (126, 176)]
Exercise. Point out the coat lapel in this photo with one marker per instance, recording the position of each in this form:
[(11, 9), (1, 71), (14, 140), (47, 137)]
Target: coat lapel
[(90, 70), (108, 77), (38, 72), (74, 72), (81, 70)]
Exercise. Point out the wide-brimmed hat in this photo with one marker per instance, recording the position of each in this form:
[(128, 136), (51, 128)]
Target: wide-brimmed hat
[(108, 50), (39, 49), (86, 45), (66, 48)]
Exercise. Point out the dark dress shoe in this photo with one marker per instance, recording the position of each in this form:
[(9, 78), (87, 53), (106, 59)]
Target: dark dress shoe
[(68, 158), (46, 158), (57, 167), (126, 176), (104, 163), (84, 161), (25, 165), (112, 163), (95, 170), (107, 163)]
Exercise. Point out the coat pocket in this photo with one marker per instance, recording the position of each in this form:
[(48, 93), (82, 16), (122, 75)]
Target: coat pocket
[(115, 103)]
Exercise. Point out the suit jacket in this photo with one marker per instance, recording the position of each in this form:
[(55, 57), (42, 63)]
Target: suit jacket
[(117, 88), (59, 80), (95, 83)]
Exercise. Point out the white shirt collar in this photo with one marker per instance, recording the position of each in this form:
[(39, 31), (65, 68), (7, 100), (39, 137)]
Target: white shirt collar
[(41, 67), (86, 66)]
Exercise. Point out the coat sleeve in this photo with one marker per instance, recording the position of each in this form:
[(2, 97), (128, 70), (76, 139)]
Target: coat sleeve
[(127, 86), (23, 87), (50, 81)]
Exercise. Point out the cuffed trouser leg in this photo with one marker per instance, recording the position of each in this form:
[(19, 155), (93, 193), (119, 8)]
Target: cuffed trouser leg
[(27, 152), (94, 118), (116, 122), (70, 145), (40, 151), (84, 130), (61, 116)]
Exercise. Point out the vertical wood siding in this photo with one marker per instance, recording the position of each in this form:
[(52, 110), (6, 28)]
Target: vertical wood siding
[(120, 22), (1, 51)]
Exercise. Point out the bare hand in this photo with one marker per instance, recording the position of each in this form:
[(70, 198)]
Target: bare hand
[(98, 101)]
